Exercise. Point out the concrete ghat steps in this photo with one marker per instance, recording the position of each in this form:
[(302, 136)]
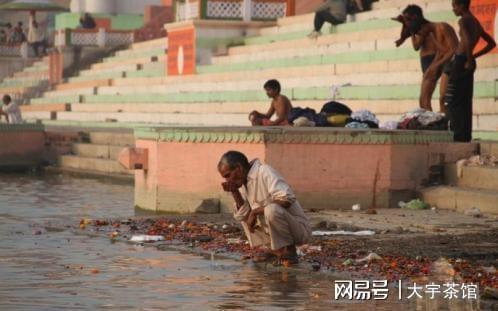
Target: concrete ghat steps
[(489, 148), (382, 23), (482, 90), (481, 107), (304, 23), (380, 5), (477, 177), (99, 155), (112, 138), (107, 152), (212, 119), (93, 165), (460, 198)]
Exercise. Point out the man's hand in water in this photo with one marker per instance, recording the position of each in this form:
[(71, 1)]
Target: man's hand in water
[(251, 221), (229, 186)]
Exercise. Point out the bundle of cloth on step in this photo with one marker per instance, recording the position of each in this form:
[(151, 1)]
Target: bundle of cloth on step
[(362, 119), (421, 119), (332, 114)]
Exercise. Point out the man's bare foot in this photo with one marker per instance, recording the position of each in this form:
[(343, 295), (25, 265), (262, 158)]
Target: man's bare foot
[(287, 256)]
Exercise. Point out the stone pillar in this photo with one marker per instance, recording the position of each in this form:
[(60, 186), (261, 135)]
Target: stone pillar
[(291, 8), (55, 66), (247, 10), (101, 37)]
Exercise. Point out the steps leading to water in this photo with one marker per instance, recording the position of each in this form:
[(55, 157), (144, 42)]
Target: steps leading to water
[(28, 83), (474, 186), (98, 154), (460, 199)]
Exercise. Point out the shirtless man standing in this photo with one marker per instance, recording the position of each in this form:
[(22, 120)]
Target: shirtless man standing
[(280, 105), (437, 43), (461, 83)]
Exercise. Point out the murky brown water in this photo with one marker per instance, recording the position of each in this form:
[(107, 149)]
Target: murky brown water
[(47, 269)]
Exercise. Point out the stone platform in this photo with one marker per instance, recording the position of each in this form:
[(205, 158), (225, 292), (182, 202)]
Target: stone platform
[(328, 168)]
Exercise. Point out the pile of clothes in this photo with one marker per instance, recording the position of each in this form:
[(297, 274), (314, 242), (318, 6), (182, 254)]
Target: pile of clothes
[(421, 119), (363, 119), (333, 114)]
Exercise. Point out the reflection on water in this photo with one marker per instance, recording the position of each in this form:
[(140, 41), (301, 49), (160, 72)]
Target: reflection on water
[(42, 268)]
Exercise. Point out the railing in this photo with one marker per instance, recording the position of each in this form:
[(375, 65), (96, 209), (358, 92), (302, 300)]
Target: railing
[(91, 37), (246, 10), (10, 50)]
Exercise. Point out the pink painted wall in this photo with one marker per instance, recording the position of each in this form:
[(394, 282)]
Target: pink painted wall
[(21, 148), (325, 168), (324, 176)]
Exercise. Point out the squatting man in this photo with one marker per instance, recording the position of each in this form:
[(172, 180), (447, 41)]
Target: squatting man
[(266, 207)]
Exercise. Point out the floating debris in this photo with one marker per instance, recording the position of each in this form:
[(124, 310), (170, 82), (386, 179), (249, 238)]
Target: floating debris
[(146, 238), (341, 232)]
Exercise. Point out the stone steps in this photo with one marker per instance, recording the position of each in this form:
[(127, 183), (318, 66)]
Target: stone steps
[(481, 107), (99, 154), (138, 60), (123, 139), (160, 42), (27, 83), (107, 152), (482, 90), (305, 22), (477, 177), (460, 199), (313, 79), (195, 119), (93, 166), (489, 148), (369, 24)]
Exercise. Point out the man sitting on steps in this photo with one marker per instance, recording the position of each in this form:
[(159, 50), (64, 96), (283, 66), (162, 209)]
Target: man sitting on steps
[(11, 110), (280, 105)]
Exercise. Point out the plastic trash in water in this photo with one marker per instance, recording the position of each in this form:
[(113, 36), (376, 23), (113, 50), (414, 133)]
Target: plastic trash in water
[(146, 238), (357, 233), (356, 207), (414, 204)]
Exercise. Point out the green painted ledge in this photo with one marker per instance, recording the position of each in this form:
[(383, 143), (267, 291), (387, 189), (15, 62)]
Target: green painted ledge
[(382, 92), (25, 127), (485, 135), (251, 135), (340, 58)]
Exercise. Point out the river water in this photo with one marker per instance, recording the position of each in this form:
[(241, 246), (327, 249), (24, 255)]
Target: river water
[(44, 267)]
